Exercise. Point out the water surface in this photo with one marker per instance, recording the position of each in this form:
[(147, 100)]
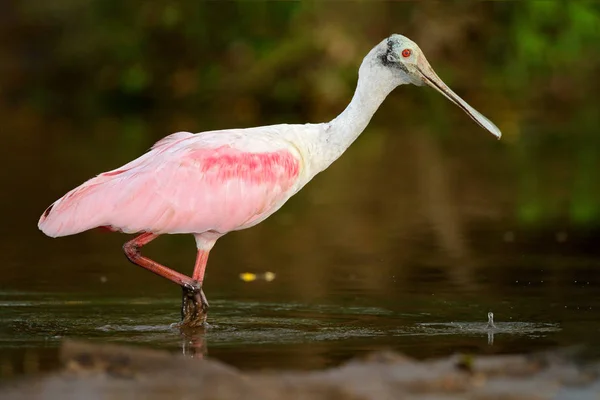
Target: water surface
[(420, 310)]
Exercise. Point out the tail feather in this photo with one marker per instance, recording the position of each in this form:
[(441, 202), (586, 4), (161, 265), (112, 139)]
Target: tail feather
[(75, 212), (95, 203)]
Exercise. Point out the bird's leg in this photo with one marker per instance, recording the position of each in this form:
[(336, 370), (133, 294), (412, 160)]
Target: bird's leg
[(194, 306), (132, 251), (200, 266)]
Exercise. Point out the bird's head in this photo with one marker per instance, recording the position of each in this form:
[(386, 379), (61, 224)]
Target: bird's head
[(404, 62)]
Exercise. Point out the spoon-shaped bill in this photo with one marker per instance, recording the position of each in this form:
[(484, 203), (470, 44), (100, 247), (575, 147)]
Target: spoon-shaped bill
[(431, 78)]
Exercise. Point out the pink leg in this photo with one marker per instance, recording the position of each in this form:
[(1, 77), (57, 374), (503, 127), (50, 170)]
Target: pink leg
[(200, 266), (204, 242), (194, 305), (132, 251)]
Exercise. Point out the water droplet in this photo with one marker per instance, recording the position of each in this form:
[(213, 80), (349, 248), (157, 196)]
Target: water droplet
[(490, 324)]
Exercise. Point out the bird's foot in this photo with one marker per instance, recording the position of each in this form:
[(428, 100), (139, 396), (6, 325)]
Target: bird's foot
[(194, 307)]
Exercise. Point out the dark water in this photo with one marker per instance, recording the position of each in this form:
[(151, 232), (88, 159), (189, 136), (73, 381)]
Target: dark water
[(347, 309)]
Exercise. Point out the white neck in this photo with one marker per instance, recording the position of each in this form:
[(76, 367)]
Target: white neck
[(373, 86)]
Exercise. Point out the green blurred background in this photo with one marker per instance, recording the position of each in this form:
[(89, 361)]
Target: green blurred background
[(87, 85)]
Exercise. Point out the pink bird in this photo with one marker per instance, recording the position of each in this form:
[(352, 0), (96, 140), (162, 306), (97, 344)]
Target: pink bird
[(211, 183)]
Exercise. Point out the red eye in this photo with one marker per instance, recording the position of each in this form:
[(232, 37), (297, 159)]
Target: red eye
[(406, 53)]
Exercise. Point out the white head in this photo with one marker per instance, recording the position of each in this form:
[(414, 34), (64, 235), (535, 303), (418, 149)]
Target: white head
[(398, 60)]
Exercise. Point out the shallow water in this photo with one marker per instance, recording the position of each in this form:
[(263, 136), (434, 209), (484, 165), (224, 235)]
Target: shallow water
[(259, 324)]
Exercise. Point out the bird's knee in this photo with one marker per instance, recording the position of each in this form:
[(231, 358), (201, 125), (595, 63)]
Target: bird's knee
[(131, 251)]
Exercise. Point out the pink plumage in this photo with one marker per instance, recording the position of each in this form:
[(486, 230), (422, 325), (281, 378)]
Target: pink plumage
[(185, 184)]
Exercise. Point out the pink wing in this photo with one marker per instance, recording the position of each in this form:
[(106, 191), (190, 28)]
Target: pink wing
[(182, 185)]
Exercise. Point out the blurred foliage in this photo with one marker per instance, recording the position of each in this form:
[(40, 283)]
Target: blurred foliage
[(132, 71), (555, 52)]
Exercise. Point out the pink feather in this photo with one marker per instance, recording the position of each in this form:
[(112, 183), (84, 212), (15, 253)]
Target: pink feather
[(184, 184)]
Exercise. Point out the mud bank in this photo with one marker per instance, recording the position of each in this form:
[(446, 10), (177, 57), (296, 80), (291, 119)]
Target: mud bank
[(112, 371)]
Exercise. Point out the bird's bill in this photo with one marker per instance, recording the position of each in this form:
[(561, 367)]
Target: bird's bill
[(430, 77)]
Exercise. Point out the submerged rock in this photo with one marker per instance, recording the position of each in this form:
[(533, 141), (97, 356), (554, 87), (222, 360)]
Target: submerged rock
[(113, 371)]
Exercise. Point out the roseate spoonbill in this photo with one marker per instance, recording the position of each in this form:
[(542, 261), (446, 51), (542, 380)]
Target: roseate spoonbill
[(211, 183)]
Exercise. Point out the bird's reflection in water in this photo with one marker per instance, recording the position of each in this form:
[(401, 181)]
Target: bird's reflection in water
[(193, 344), (491, 327), (490, 335)]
